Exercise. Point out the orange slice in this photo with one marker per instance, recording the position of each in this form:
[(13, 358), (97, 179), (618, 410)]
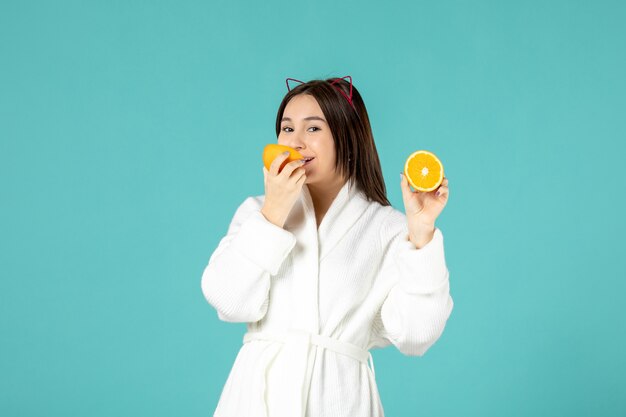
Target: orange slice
[(423, 170), (272, 150)]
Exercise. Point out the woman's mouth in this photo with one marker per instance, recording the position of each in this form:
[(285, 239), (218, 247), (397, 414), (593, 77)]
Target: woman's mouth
[(307, 161)]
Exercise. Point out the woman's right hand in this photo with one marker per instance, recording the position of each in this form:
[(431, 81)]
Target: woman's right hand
[(282, 189)]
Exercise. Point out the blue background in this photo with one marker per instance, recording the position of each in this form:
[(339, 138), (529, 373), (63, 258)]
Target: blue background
[(131, 131)]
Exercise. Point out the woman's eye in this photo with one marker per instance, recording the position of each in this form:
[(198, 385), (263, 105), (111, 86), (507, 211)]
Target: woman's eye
[(288, 129)]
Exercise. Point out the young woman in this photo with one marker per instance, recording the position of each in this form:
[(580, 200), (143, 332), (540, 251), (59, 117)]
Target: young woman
[(322, 268)]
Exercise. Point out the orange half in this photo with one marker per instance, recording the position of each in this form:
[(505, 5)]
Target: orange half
[(423, 170)]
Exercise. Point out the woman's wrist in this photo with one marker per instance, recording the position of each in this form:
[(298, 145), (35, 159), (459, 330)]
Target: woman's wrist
[(271, 216), (421, 235)]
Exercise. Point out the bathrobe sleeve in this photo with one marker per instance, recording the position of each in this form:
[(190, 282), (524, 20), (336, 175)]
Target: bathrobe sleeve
[(418, 304), (236, 280)]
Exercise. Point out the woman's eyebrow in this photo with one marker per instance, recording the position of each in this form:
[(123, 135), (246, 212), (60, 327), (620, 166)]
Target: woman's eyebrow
[(287, 119)]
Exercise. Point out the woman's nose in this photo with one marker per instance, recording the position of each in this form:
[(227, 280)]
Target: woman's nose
[(294, 140)]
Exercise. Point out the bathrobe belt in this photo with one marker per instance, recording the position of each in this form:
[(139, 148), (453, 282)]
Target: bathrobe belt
[(295, 384)]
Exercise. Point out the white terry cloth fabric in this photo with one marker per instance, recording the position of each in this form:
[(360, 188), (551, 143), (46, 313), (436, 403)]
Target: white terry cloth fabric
[(316, 300)]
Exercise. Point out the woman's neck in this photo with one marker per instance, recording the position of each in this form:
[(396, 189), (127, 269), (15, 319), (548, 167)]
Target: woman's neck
[(323, 197)]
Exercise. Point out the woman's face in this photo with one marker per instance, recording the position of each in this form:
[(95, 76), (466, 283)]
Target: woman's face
[(304, 128)]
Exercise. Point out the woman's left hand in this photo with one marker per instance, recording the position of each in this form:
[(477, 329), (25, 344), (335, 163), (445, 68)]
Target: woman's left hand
[(422, 208)]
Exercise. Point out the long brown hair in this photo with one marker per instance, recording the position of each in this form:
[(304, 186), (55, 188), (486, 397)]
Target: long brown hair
[(356, 152)]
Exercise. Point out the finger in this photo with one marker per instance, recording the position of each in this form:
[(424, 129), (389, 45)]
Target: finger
[(442, 191), (301, 180), (265, 171), (291, 167), (297, 174), (404, 185), (276, 163), (443, 185)]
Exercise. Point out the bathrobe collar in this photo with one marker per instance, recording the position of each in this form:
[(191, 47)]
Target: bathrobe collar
[(344, 211), (313, 244)]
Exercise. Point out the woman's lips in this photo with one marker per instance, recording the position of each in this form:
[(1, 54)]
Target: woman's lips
[(308, 162)]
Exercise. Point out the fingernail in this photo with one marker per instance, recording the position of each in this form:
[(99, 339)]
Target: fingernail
[(286, 153)]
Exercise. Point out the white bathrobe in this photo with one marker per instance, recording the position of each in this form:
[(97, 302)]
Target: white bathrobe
[(315, 301)]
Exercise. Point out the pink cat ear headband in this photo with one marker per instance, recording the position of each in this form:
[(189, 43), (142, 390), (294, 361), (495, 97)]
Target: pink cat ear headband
[(332, 83)]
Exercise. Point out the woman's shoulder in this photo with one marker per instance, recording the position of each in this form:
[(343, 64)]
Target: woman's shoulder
[(255, 201), (248, 206), (388, 219), (385, 214)]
